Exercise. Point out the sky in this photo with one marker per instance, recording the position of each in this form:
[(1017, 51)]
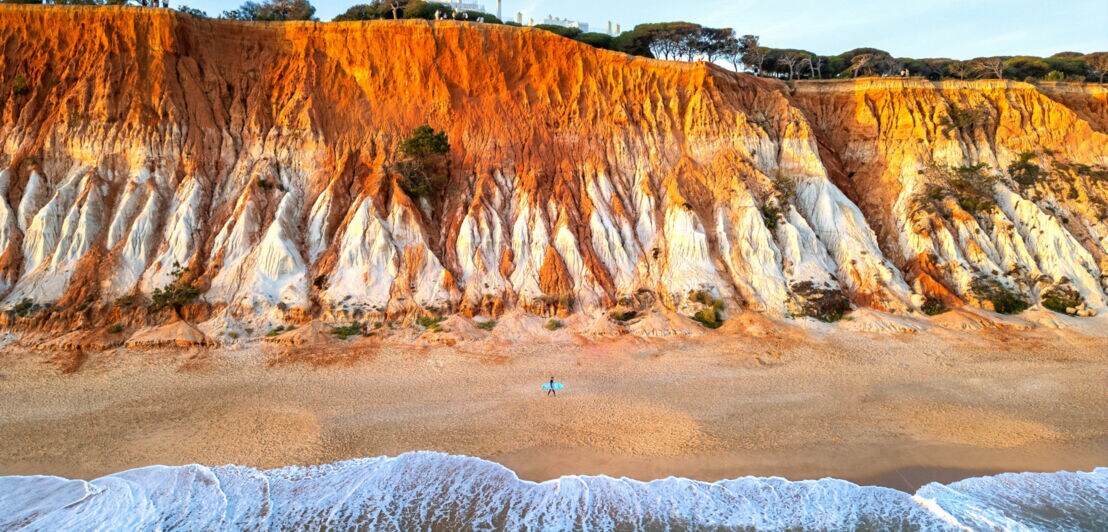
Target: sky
[(959, 29)]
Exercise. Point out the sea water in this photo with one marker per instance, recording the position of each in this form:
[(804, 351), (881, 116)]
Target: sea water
[(434, 491)]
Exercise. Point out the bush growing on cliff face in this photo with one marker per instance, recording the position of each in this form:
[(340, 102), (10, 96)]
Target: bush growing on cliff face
[(427, 322), (823, 303), (786, 185), (1004, 301), (1061, 298), (425, 142), (423, 167), (344, 332), (24, 307), (962, 120), (708, 317), (1023, 171), (933, 307), (176, 294), (971, 186), (770, 216), (20, 85), (711, 315)]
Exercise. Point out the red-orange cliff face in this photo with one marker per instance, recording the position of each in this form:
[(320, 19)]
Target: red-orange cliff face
[(257, 154)]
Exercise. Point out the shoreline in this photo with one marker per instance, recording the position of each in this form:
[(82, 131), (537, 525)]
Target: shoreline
[(895, 410), (904, 475)]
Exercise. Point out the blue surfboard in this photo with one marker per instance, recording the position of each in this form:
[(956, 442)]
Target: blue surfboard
[(557, 386)]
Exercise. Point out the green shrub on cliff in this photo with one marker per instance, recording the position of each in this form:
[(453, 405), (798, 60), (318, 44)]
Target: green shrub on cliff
[(1023, 171), (24, 307), (971, 186), (933, 307), (20, 85), (423, 167), (1061, 298), (824, 303), (962, 120), (708, 317), (176, 294), (1004, 301), (344, 332)]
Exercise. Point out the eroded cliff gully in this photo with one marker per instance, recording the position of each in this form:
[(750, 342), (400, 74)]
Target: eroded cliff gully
[(580, 180)]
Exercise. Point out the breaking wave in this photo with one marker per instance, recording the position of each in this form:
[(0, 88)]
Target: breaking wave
[(425, 490)]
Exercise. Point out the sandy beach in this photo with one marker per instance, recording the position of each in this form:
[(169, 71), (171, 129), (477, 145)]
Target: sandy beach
[(800, 402)]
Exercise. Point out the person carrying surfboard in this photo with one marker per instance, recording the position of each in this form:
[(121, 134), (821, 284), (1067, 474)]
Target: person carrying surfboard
[(551, 390)]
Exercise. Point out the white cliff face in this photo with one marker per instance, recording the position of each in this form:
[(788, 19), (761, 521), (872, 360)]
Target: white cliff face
[(179, 238), (367, 263), (613, 237), (804, 257), (861, 266), (8, 217), (529, 242), (587, 293), (35, 195), (422, 279), (279, 274), (687, 263), (1056, 252), (134, 230), (479, 245), (261, 254), (751, 255)]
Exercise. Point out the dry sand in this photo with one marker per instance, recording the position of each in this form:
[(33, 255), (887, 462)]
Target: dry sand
[(892, 409)]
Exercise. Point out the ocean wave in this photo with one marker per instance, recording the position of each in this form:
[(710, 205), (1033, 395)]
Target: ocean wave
[(435, 491)]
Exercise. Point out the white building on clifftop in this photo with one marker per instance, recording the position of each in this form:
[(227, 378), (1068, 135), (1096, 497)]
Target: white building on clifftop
[(568, 23), (459, 5), (551, 20)]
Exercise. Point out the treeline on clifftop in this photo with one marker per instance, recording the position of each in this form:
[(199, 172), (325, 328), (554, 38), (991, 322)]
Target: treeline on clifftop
[(686, 41)]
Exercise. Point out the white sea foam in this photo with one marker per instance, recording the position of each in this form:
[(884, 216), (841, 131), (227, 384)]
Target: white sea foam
[(424, 490)]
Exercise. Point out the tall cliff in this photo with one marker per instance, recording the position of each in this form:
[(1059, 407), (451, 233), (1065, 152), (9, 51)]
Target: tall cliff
[(258, 156)]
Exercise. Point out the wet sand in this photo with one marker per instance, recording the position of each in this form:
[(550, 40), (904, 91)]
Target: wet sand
[(898, 410)]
